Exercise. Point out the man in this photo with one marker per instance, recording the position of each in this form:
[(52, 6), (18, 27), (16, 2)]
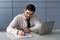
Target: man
[(25, 23)]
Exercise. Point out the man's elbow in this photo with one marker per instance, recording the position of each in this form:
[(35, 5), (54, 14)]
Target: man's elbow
[(8, 30)]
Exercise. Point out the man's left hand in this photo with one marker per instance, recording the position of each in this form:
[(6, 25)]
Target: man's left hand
[(27, 30)]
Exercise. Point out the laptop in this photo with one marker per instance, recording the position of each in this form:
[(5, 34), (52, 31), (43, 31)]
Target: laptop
[(46, 28)]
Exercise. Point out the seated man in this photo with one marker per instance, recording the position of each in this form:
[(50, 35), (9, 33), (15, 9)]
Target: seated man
[(25, 23)]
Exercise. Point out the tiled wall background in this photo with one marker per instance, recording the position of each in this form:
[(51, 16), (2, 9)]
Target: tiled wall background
[(46, 10)]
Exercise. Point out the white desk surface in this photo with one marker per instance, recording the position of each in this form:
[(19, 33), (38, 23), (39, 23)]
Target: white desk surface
[(55, 35)]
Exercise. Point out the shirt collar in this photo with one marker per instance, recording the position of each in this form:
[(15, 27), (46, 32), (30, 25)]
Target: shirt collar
[(24, 16)]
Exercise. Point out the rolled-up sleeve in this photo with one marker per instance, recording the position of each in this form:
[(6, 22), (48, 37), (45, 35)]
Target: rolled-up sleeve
[(37, 25), (12, 26)]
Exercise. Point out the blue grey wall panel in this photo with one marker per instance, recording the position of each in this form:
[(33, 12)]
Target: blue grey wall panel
[(24, 4), (53, 0), (51, 4), (40, 13), (53, 14), (17, 11), (5, 13), (5, 4), (5, 18), (5, 0), (30, 0)]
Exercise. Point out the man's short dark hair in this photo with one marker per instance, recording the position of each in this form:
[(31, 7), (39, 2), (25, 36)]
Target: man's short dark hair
[(30, 7)]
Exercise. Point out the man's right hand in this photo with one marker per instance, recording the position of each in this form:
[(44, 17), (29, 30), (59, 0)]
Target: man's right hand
[(21, 33)]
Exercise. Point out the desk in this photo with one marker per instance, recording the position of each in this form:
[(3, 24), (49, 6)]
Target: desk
[(55, 35)]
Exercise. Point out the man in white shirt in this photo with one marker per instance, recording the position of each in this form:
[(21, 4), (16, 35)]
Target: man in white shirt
[(21, 26)]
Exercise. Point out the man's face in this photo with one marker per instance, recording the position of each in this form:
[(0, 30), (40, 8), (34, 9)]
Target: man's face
[(28, 14)]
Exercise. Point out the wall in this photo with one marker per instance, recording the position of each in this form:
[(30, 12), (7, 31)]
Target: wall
[(46, 10)]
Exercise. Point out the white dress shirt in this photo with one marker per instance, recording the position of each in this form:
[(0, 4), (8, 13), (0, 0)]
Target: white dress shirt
[(19, 22)]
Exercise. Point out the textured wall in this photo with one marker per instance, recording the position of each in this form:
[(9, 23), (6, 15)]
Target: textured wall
[(46, 10)]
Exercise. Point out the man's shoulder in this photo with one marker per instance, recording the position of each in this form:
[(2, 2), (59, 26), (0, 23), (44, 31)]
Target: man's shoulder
[(34, 16), (18, 16)]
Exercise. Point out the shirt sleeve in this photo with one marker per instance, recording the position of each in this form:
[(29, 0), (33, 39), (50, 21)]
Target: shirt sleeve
[(12, 26), (37, 25)]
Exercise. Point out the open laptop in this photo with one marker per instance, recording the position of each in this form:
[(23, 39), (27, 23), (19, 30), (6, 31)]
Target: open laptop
[(46, 27)]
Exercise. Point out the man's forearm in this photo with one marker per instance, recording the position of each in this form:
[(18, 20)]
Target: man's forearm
[(12, 30)]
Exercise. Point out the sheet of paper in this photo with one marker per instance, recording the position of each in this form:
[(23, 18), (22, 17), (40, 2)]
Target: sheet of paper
[(27, 35)]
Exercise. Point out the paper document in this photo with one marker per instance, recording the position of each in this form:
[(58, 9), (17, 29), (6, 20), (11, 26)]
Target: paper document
[(27, 35)]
